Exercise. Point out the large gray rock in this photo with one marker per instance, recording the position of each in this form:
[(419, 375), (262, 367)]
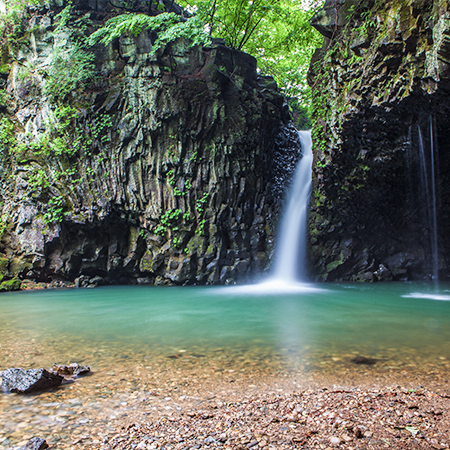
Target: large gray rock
[(164, 172), (25, 381)]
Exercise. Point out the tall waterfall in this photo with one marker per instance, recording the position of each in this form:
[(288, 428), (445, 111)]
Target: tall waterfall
[(290, 252)]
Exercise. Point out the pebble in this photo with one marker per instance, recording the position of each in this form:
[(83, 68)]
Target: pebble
[(287, 402)]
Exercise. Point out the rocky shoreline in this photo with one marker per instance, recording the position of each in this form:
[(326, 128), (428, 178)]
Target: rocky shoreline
[(174, 406), (339, 417)]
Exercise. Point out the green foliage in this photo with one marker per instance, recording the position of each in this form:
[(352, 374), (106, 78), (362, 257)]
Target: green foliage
[(100, 125), (200, 203), (63, 18), (168, 221), (276, 32), (13, 24), (55, 210), (3, 224), (69, 70), (38, 180), (7, 135), (168, 26)]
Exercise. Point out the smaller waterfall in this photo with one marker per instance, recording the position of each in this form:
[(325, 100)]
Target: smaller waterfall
[(434, 244), (290, 252), (429, 184)]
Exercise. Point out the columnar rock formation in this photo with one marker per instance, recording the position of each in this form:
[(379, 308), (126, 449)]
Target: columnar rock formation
[(162, 169), (381, 86)]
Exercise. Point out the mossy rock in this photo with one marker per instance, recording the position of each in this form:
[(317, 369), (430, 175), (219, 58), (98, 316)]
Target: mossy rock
[(146, 263), (10, 285), (5, 69), (4, 265)]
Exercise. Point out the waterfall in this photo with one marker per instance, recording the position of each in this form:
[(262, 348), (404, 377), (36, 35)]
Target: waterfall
[(434, 210), (289, 270), (290, 252), (429, 184)]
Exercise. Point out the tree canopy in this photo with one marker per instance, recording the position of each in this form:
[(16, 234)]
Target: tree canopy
[(276, 32)]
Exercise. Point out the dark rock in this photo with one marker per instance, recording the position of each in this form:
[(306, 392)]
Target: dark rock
[(25, 381), (35, 443), (183, 145), (374, 131), (364, 360), (383, 273), (72, 370)]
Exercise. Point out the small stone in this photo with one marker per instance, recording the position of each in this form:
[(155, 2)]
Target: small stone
[(73, 369), (335, 440)]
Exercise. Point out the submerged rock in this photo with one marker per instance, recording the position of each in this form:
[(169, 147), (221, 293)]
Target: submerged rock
[(25, 381), (364, 360)]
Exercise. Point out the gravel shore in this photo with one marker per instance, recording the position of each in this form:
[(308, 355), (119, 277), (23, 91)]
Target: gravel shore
[(348, 418), (215, 398)]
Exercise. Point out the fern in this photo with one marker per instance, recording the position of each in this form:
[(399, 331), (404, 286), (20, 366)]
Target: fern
[(192, 30), (168, 26)]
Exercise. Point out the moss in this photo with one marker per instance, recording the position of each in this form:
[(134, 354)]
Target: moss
[(10, 285), (4, 262), (5, 69), (146, 262), (335, 264), (195, 244)]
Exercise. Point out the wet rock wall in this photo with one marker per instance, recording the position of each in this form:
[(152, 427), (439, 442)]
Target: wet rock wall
[(158, 171), (381, 89)]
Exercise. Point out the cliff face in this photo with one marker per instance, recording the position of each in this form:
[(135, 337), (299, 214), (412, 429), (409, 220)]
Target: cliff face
[(159, 170), (381, 136)]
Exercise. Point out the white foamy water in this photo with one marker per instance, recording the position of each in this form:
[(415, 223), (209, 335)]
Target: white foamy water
[(270, 287), (290, 253), (428, 296)]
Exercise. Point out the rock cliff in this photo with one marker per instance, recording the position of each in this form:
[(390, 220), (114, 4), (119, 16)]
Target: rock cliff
[(381, 138), (163, 167)]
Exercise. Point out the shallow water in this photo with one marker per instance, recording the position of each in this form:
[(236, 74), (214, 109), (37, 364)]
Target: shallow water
[(177, 342), (299, 321)]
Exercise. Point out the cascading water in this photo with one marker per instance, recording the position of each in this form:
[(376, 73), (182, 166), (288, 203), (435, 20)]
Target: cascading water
[(289, 271), (429, 184), (290, 253)]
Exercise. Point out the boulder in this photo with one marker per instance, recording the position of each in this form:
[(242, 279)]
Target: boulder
[(25, 381)]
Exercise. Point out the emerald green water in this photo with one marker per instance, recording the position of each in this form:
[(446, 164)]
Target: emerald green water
[(382, 320)]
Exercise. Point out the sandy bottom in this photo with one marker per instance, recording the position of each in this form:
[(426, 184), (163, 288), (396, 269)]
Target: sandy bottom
[(187, 399)]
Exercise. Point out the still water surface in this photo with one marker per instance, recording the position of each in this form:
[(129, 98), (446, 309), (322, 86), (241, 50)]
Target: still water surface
[(298, 324), (161, 350)]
